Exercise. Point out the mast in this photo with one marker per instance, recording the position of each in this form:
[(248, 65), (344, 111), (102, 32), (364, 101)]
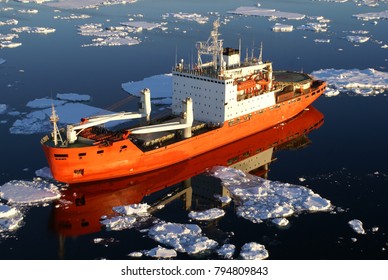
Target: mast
[(261, 53), (213, 47), (54, 119)]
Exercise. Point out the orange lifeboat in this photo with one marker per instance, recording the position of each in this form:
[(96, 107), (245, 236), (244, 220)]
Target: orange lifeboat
[(244, 85)]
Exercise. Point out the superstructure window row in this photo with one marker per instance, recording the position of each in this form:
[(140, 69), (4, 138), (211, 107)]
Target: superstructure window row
[(202, 79)]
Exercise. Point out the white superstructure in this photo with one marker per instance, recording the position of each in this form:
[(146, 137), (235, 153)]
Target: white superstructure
[(224, 88)]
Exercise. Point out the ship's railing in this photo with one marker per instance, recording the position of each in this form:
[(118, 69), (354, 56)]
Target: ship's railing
[(203, 71), (210, 72)]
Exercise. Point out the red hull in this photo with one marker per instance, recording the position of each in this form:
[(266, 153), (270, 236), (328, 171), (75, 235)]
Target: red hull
[(123, 158), (89, 201)]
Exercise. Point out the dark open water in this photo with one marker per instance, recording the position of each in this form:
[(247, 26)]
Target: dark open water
[(345, 160)]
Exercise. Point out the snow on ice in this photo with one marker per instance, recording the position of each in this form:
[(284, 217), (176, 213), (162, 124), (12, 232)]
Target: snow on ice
[(159, 85), (8, 37), (187, 17), (44, 172), (73, 16), (140, 25), (118, 222), (357, 226), (314, 26), (28, 29), (161, 253), (9, 44), (112, 36), (10, 218), (21, 192), (207, 215), (186, 238), (68, 112), (357, 39), (281, 222), (270, 13), (253, 251), (372, 15), (41, 103), (127, 217), (133, 209), (364, 82), (258, 199), (223, 199), (28, 11), (226, 251), (278, 27), (3, 108), (75, 97), (85, 4), (9, 22)]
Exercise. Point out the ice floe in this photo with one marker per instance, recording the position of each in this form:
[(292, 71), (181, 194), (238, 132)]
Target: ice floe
[(10, 218), (28, 29), (159, 85), (73, 16), (44, 172), (357, 226), (9, 44), (140, 25), (68, 112), (118, 222), (322, 41), (135, 254), (161, 253), (226, 251), (187, 17), (5, 9), (207, 215), (133, 209), (40, 103), (3, 108), (270, 13), (112, 36), (281, 222), (253, 251), (7, 211), (223, 199), (9, 22), (370, 3), (185, 238), (21, 192), (372, 15), (314, 26), (74, 97), (86, 4), (128, 216), (28, 11), (8, 37), (258, 199), (278, 27), (33, 1), (357, 39), (364, 82)]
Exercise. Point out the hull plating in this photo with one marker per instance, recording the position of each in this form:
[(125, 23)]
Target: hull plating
[(123, 158)]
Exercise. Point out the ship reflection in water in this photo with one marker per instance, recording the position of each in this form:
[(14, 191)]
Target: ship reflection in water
[(82, 205)]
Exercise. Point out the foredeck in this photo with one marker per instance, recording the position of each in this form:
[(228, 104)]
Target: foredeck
[(291, 77), (149, 141)]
